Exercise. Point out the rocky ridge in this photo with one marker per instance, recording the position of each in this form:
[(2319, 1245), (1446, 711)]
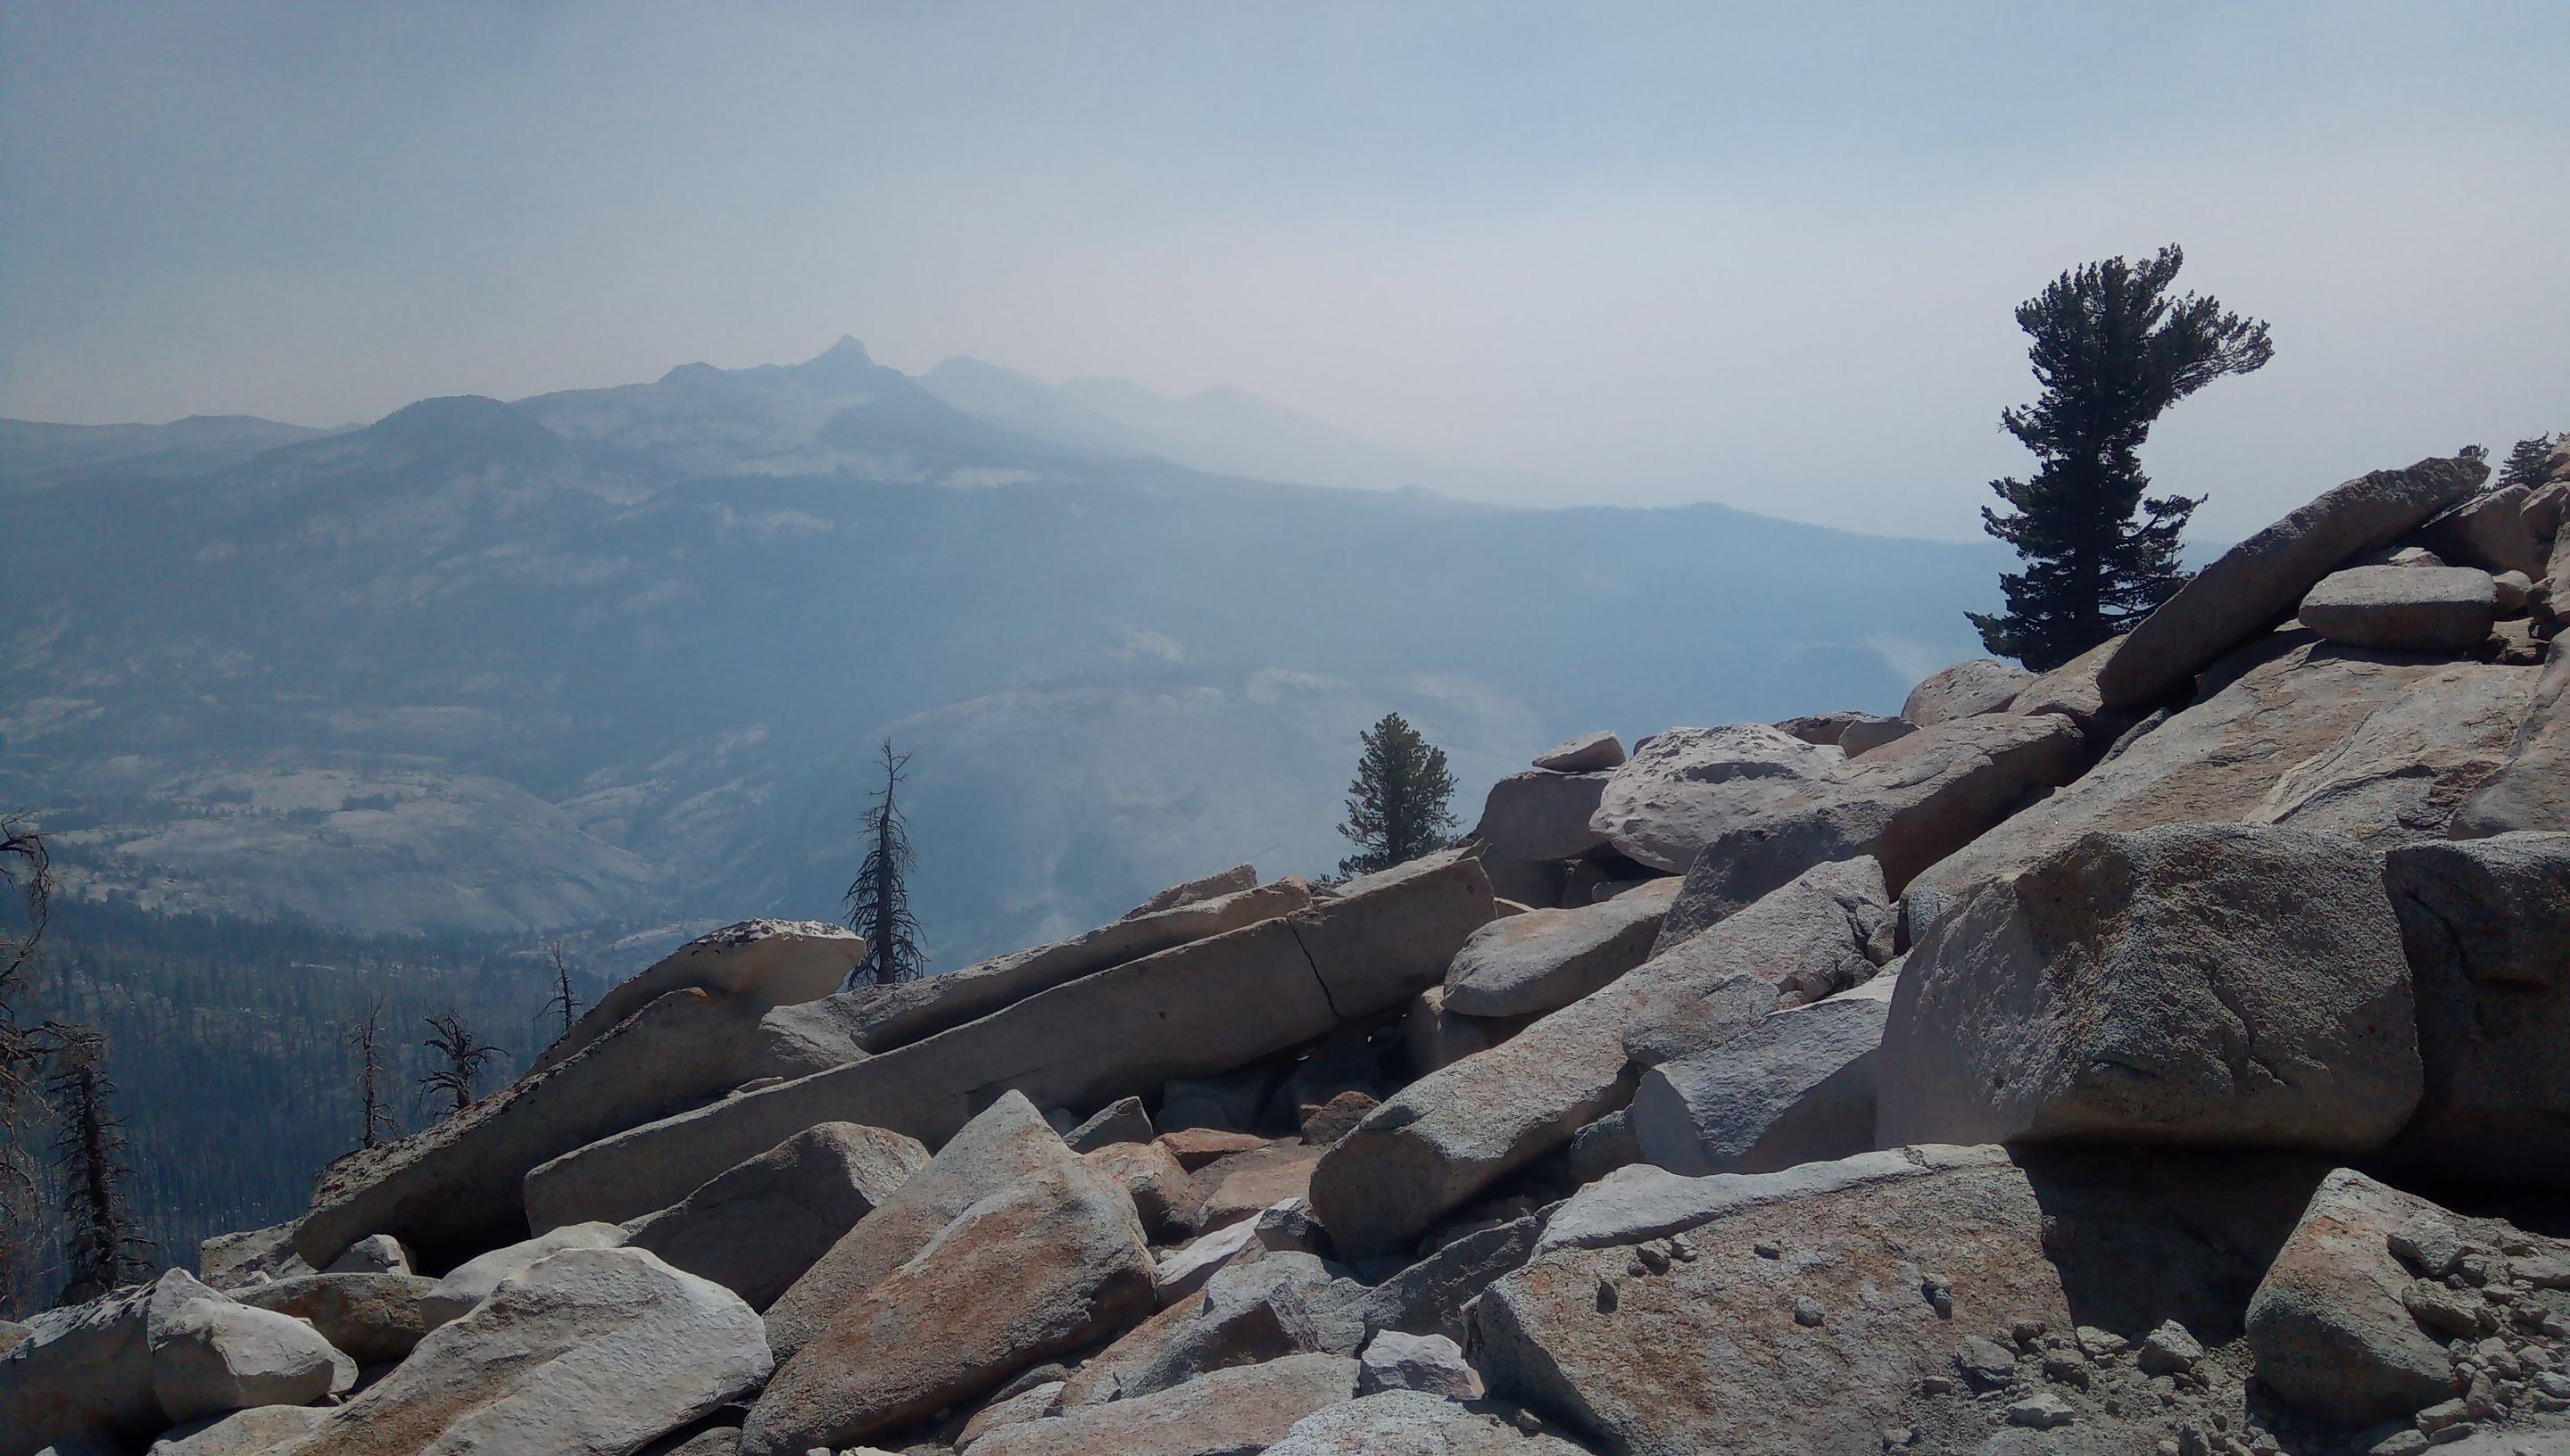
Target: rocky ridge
[(2162, 1054)]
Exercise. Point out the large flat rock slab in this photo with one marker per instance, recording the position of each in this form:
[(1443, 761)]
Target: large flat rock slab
[(453, 1189), (1200, 1010), (2257, 583), (2292, 731)]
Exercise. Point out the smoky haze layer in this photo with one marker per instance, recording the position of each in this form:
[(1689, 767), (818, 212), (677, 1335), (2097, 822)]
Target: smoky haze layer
[(1644, 254)]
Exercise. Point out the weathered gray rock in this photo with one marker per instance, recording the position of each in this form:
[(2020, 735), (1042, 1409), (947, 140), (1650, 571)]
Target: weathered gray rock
[(1429, 1297), (592, 1353), (2190, 984), (1869, 734), (1248, 1311), (2515, 589), (2488, 530), (1247, 1184), (1433, 1144), (1042, 1268), (256, 1431), (1185, 1272), (1545, 959), (454, 1188), (2294, 731), (1828, 729), (374, 1318), (83, 1373), (1240, 1410), (1804, 1312), (376, 1253), (2257, 583), (757, 963), (1409, 1423), (1840, 931), (1212, 887), (1796, 1087), (1542, 815), (799, 1040), (1964, 690), (1686, 787), (2531, 790), (2070, 691), (1584, 754), (2440, 609), (1008, 1143), (755, 1229), (1336, 1117), (1033, 1403), (2328, 1325), (1195, 1147), (228, 1260), (2484, 923), (1165, 1194), (1433, 1036), (475, 1278), (1905, 805), (1196, 1009), (212, 1355), (1120, 1121), (1429, 1364)]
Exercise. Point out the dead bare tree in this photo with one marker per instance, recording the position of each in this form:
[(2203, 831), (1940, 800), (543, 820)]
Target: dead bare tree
[(374, 1117), (562, 1003), (461, 1057)]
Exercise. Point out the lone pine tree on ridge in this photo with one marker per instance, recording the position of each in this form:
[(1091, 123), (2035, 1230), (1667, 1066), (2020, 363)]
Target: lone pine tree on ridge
[(1396, 804), (2112, 350)]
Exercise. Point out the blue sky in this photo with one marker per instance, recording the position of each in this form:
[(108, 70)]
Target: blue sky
[(1650, 253)]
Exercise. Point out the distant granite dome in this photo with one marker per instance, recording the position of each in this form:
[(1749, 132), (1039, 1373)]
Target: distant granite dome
[(466, 427)]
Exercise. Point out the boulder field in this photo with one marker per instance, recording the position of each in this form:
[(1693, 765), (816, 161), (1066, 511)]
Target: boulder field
[(2168, 1053)]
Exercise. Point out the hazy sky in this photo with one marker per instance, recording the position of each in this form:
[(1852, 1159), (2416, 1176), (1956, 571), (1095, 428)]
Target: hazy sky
[(1759, 254)]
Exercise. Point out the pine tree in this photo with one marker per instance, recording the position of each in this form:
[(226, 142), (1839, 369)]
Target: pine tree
[(461, 1057), (2112, 350), (879, 898), (374, 1119), (105, 1248), (2529, 463), (1396, 804)]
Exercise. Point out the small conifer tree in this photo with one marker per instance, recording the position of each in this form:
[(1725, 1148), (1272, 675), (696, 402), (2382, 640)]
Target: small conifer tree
[(1397, 802), (2528, 463)]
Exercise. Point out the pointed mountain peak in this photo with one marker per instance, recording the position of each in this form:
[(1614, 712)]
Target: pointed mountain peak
[(843, 363)]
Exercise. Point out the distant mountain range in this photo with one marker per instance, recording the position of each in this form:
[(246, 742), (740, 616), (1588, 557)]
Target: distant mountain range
[(619, 656)]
